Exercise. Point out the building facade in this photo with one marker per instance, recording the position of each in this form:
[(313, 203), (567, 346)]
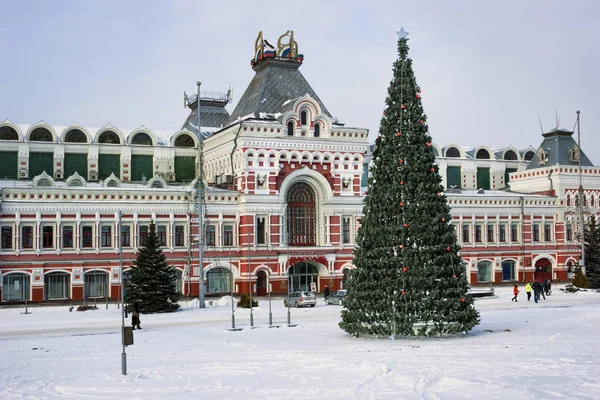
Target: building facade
[(284, 183)]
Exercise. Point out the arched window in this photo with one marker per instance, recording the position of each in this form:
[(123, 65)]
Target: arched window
[(301, 275), (184, 140), (44, 182), (109, 137), (529, 155), (290, 129), (142, 138), (510, 155), (301, 219), (452, 152), (317, 130), (8, 133), (40, 135), (75, 136), (218, 280), (592, 201), (568, 201), (303, 117), (482, 154), (484, 271), (76, 182)]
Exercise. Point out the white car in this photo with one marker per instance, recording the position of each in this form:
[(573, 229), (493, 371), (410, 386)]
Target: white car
[(301, 299)]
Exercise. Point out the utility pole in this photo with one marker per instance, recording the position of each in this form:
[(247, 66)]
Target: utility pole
[(581, 199), (251, 285), (123, 354), (200, 202)]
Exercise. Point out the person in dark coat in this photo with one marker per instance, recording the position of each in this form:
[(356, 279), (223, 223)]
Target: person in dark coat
[(326, 292), (135, 316), (547, 287), (537, 290)]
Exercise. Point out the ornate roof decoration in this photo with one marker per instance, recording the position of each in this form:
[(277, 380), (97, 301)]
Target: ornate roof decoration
[(557, 149)]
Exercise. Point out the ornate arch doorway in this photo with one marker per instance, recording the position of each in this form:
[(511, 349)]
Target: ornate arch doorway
[(543, 270), (301, 275), (301, 215)]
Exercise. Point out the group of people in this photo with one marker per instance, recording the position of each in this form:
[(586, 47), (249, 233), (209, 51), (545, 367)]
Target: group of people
[(540, 289)]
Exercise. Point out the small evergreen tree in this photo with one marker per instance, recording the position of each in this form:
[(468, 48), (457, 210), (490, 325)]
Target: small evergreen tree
[(153, 283), (408, 270), (592, 252)]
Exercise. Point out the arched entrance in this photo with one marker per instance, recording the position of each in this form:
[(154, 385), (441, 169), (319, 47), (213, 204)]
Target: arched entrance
[(301, 215), (301, 275), (218, 280), (543, 270), (261, 283)]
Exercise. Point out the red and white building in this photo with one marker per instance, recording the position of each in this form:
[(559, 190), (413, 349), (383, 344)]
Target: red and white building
[(284, 188)]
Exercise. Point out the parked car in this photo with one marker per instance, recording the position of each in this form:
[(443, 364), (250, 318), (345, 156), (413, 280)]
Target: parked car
[(301, 299), (337, 297)]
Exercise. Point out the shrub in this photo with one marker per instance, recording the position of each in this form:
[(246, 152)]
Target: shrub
[(86, 307), (245, 302), (581, 280)]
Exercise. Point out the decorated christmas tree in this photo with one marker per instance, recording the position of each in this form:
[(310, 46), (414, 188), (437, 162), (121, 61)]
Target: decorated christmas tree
[(592, 252), (153, 282), (408, 278)]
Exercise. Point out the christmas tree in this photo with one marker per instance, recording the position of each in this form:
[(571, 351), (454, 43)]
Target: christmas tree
[(408, 278), (592, 252), (153, 283)]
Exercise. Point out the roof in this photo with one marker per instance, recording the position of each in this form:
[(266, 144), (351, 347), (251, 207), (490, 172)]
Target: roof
[(274, 85), (558, 144)]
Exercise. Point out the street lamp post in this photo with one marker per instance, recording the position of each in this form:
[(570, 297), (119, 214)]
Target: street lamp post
[(581, 197), (123, 354), (251, 284), (200, 200)]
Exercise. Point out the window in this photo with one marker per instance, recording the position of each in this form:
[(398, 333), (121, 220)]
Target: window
[(513, 233), (568, 201), (483, 178), (47, 237), (453, 177), (502, 233), (56, 285), (290, 129), (142, 235), (465, 234), (125, 236), (27, 237), (508, 270), (161, 232), (452, 152), (484, 271), (96, 284), (301, 218), (15, 287), (478, 233), (86, 236), (482, 154), (345, 230), (317, 130), (179, 236), (490, 233), (7, 237), (227, 235), (303, 117), (536, 233), (592, 201), (547, 233), (260, 230), (67, 237), (210, 236), (105, 236), (569, 232), (218, 280)]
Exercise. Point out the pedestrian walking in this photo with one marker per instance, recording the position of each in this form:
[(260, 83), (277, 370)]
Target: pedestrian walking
[(548, 287), (528, 290), (326, 292), (537, 290), (135, 316), (516, 293)]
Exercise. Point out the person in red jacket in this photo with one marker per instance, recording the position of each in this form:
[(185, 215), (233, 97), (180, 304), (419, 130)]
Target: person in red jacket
[(516, 293)]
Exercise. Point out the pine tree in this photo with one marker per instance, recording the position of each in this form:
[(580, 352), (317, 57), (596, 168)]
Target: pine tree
[(153, 283), (592, 252), (408, 270)]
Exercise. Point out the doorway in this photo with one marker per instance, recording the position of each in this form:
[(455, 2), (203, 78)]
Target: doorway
[(301, 275), (261, 283)]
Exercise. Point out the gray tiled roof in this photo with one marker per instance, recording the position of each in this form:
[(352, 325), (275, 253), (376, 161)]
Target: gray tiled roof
[(557, 144), (275, 82), (213, 117)]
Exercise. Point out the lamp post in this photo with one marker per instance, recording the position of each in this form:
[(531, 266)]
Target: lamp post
[(200, 200), (123, 354), (232, 283), (581, 197), (27, 291), (251, 284), (269, 288)]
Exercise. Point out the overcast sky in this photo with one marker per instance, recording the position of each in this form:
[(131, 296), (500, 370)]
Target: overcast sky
[(487, 71)]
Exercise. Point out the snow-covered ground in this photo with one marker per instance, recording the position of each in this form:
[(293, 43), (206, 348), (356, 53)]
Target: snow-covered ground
[(520, 350)]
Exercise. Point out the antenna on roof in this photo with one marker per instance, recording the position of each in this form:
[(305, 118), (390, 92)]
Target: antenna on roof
[(540, 121), (557, 119)]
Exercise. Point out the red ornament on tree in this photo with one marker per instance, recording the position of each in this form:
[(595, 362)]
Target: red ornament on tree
[(418, 97), (404, 269), (401, 204), (454, 275), (448, 248), (402, 182), (401, 246), (462, 299), (421, 121), (439, 194), (443, 219), (378, 136), (401, 160), (432, 169), (398, 133), (402, 106), (405, 225), (403, 293), (428, 144), (366, 193)]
